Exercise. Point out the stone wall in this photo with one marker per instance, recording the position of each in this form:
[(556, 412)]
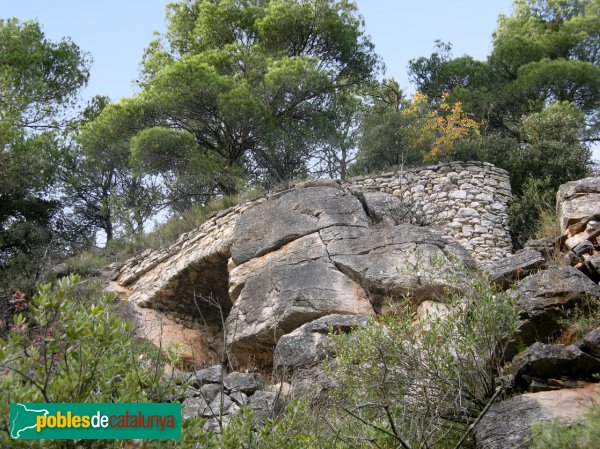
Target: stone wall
[(467, 201)]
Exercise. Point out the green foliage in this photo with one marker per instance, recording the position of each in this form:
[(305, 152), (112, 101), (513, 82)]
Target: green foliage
[(545, 52), (421, 381), (582, 434), (39, 79), (551, 155), (581, 320), (538, 93), (295, 429), (398, 132), (72, 346), (525, 210), (387, 133), (99, 183), (242, 91)]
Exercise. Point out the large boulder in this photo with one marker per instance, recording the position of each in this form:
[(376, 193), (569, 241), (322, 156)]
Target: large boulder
[(577, 202), (591, 343), (507, 425), (291, 215), (516, 267), (291, 288), (338, 270), (546, 297), (541, 362), (310, 344), (394, 262)]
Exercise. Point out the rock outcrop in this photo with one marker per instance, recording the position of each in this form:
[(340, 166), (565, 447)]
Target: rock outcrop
[(318, 248), (265, 281), (578, 206), (507, 425), (516, 267), (322, 254), (578, 203), (546, 297), (543, 361)]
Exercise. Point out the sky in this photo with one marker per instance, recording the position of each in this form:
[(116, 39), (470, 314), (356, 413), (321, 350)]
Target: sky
[(115, 33)]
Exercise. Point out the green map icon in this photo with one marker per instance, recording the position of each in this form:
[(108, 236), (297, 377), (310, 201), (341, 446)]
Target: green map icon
[(23, 419)]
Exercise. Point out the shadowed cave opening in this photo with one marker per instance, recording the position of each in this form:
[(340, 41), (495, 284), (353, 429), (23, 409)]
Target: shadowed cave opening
[(198, 300)]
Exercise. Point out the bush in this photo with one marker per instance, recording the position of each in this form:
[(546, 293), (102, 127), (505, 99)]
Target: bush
[(69, 344), (293, 430), (73, 350), (581, 320), (530, 213), (407, 382)]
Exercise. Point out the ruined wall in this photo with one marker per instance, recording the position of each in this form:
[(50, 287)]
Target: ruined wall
[(468, 201)]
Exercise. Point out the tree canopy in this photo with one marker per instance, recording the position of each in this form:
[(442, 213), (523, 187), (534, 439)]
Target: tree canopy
[(243, 89), (39, 80)]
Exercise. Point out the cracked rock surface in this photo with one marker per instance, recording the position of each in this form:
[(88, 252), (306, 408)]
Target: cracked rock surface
[(324, 252), (318, 248)]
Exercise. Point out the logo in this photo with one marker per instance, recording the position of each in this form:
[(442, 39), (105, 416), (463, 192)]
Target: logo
[(95, 421)]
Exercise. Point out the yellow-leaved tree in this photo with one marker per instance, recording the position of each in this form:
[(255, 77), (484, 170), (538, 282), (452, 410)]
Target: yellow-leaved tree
[(440, 128)]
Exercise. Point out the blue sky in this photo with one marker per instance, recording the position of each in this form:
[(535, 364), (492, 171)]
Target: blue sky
[(115, 33)]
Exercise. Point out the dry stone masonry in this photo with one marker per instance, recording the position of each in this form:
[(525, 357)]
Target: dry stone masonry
[(319, 248), (467, 200)]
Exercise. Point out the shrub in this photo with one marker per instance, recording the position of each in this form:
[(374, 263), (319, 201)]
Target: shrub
[(73, 350), (407, 382), (581, 320)]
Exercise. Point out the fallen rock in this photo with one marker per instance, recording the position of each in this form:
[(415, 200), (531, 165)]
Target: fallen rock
[(586, 233), (543, 361), (192, 407), (516, 267), (239, 398), (546, 297), (546, 246), (265, 405), (577, 201), (220, 405), (246, 383), (212, 375), (583, 248), (210, 391), (310, 344), (507, 424), (591, 343), (591, 268), (293, 214)]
